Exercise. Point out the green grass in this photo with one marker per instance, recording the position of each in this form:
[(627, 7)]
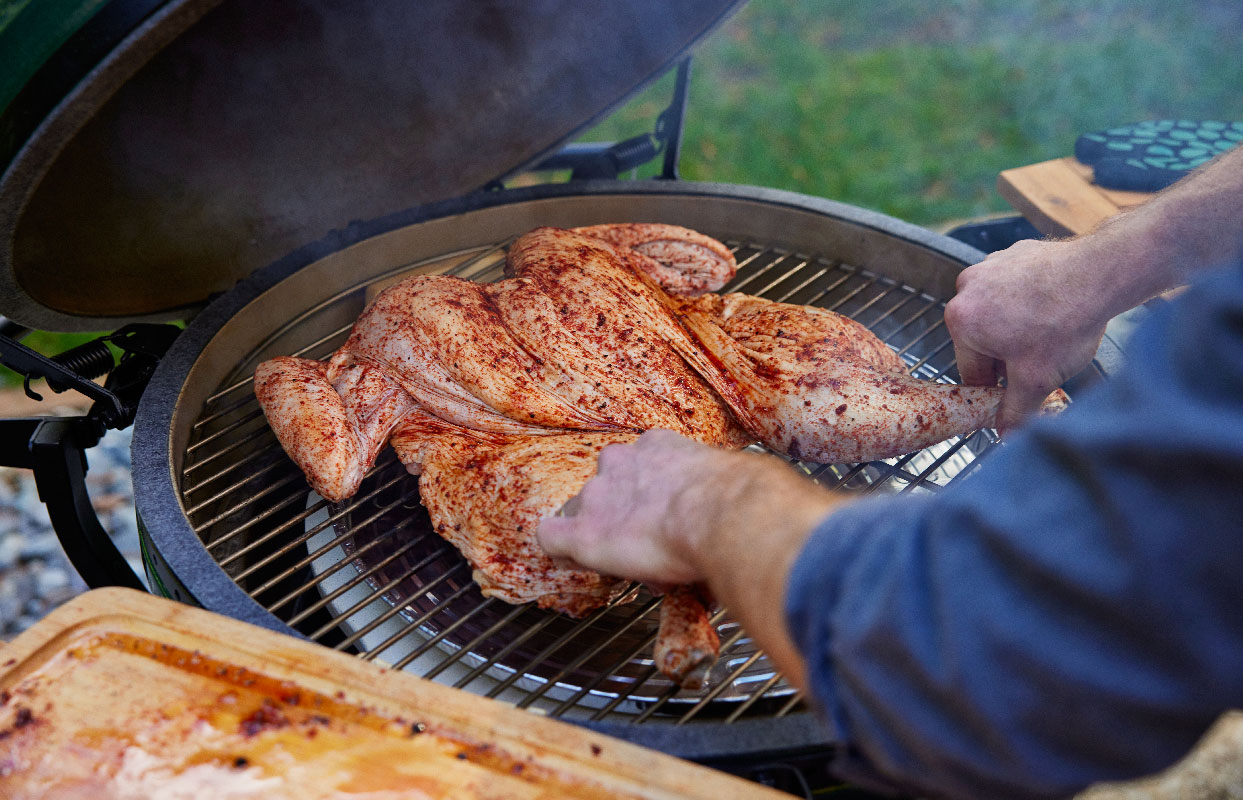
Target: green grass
[(912, 108)]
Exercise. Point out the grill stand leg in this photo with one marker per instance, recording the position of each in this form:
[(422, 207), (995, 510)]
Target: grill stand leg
[(54, 448)]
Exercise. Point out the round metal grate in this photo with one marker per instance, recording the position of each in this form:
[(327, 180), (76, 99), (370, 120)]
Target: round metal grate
[(369, 576)]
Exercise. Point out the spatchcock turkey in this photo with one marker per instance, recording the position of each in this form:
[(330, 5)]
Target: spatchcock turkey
[(500, 396)]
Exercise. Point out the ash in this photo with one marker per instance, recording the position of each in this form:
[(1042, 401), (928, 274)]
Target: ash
[(35, 575)]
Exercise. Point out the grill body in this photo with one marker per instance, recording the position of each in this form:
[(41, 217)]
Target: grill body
[(229, 523)]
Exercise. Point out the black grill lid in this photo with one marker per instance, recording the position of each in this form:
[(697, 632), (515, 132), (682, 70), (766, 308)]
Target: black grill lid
[(217, 136)]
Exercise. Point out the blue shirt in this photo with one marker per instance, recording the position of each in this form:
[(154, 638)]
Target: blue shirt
[(1071, 613)]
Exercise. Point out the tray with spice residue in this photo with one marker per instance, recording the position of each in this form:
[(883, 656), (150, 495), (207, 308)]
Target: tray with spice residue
[(122, 694)]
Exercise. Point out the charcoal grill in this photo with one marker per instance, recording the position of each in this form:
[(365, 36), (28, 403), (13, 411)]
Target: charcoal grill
[(227, 521), (369, 576)]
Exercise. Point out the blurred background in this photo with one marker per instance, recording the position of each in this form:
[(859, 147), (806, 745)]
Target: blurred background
[(912, 108), (902, 106)]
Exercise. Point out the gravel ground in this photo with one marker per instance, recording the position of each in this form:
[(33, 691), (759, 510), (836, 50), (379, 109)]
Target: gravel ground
[(35, 575)]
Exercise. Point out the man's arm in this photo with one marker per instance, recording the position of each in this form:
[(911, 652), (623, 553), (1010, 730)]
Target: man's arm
[(1069, 614), (668, 510), (1035, 313)]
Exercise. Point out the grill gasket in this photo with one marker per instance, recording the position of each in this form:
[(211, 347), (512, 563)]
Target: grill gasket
[(912, 325)]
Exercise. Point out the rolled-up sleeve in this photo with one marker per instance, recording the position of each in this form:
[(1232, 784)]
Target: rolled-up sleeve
[(1071, 613)]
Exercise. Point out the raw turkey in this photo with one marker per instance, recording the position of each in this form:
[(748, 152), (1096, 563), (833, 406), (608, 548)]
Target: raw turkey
[(500, 396)]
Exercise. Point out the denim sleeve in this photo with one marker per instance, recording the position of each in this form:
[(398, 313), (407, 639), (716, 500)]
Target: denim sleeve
[(1073, 612)]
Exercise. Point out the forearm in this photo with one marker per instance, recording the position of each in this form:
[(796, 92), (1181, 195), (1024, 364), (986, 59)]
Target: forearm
[(1193, 225), (749, 533), (1067, 615), (1035, 312)]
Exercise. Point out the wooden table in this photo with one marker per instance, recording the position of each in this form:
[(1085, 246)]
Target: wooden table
[(1059, 198)]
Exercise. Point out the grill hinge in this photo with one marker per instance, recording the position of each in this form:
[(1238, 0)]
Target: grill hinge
[(590, 160)]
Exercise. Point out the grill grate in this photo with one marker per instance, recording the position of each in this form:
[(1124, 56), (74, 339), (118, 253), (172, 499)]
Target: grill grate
[(370, 577)]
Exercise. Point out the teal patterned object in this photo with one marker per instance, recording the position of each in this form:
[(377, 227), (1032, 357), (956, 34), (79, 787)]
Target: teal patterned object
[(1148, 156)]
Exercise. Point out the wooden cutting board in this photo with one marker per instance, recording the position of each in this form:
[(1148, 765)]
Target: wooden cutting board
[(119, 694)]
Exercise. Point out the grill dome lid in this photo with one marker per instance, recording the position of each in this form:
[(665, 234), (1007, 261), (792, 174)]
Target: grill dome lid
[(160, 152)]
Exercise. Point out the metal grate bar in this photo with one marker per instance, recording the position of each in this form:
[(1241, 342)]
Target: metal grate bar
[(817, 275), (852, 294), (746, 262), (309, 511), (715, 691), (756, 695), (761, 271), (440, 637), (832, 287), (583, 624), (889, 314), (794, 702), (359, 578), (263, 516), (920, 337), (248, 524), (240, 442), (234, 407), (310, 557), (666, 696), (305, 536), (910, 320), (595, 682), (496, 627), (242, 462), (302, 562), (635, 616), (784, 277), (932, 354), (922, 478), (319, 552), (886, 470), (819, 471), (625, 658), (515, 613), (275, 466), (898, 470), (414, 624), (974, 465), (861, 309), (250, 379), (228, 429), (648, 674), (253, 499), (389, 614), (518, 641)]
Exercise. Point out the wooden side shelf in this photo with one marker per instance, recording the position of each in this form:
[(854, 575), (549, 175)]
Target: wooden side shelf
[(1059, 198)]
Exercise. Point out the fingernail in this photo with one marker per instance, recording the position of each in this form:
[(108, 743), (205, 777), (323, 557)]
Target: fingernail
[(570, 507)]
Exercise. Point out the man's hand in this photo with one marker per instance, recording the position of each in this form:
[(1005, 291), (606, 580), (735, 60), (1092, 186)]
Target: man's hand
[(668, 510), (642, 515), (1026, 314), (1035, 313)]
